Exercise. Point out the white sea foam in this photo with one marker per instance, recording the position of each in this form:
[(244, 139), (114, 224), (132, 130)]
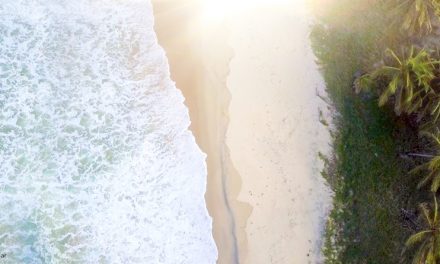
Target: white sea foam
[(96, 162)]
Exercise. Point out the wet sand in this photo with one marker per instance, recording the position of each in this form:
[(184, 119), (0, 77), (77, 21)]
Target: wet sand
[(250, 84), (199, 59)]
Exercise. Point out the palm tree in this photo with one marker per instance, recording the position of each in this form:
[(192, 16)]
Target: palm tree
[(428, 238), (417, 14), (432, 108), (432, 166), (406, 79)]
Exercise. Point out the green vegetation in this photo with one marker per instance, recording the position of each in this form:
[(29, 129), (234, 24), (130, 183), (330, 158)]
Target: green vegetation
[(416, 14), (382, 77), (428, 238), (407, 78), (430, 169)]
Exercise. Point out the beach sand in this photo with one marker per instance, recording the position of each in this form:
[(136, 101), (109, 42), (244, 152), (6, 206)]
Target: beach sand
[(274, 133), (251, 83)]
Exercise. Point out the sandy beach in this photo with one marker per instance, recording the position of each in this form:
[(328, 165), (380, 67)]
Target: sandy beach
[(251, 84)]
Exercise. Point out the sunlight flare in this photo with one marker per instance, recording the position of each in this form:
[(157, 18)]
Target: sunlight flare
[(217, 10)]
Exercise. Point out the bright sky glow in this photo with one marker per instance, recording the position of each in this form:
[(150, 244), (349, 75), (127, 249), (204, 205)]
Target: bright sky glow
[(217, 10)]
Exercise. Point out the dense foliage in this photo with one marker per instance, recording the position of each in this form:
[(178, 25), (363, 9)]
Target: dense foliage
[(383, 78)]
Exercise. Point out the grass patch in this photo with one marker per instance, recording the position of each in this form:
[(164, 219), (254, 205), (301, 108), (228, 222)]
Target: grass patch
[(370, 184)]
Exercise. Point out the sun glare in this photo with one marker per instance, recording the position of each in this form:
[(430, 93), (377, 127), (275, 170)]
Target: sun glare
[(217, 10)]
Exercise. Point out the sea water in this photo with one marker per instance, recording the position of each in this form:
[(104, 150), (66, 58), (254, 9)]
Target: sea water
[(96, 161)]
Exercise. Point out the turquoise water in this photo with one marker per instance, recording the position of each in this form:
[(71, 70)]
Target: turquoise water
[(96, 162)]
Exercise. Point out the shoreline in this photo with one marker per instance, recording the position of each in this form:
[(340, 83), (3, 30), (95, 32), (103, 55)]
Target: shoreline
[(199, 58), (263, 177), (216, 55)]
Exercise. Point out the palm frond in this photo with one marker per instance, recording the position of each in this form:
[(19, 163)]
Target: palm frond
[(435, 182), (426, 213), (435, 220), (363, 83), (417, 15), (416, 238), (429, 240), (420, 256), (424, 181)]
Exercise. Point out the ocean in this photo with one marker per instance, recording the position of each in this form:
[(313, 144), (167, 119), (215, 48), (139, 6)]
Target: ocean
[(97, 164)]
